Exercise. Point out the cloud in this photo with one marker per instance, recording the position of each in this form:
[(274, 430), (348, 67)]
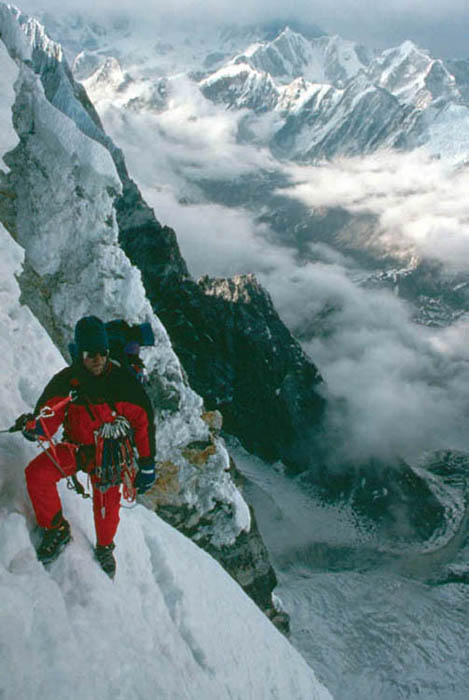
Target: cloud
[(190, 141), (420, 203), (218, 240), (439, 26), (395, 389)]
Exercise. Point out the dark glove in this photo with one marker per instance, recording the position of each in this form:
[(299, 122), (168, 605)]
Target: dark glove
[(32, 429), (146, 474), (20, 422), (27, 424)]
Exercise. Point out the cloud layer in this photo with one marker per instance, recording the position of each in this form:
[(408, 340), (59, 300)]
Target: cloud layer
[(421, 203), (441, 27), (395, 389)]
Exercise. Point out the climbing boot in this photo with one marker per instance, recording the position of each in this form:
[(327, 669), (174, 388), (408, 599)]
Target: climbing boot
[(54, 539), (105, 557)]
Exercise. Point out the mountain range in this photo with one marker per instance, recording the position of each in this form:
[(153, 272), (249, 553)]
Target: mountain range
[(233, 125)]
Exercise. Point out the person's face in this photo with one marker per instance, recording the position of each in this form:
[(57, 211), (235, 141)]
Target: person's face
[(95, 362)]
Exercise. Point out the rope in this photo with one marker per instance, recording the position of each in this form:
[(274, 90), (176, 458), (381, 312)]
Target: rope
[(47, 412), (114, 456)]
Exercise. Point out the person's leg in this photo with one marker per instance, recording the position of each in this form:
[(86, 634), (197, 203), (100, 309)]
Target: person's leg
[(106, 518), (106, 508), (42, 477)]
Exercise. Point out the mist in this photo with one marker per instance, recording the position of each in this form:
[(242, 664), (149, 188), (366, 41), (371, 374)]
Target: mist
[(395, 389), (441, 27), (420, 202)]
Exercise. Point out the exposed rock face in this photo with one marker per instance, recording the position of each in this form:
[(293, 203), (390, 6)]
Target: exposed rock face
[(237, 352), (244, 361), (153, 248)]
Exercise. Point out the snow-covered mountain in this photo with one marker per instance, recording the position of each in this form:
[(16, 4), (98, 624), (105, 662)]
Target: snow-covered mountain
[(369, 536), (57, 202), (173, 624), (331, 96), (336, 98)]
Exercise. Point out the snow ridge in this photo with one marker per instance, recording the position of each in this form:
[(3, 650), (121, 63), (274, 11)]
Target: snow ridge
[(173, 624), (60, 160)]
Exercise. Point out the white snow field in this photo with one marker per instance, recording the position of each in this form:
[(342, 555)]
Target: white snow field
[(172, 624)]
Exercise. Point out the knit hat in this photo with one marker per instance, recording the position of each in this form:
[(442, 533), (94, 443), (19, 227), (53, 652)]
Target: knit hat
[(90, 335)]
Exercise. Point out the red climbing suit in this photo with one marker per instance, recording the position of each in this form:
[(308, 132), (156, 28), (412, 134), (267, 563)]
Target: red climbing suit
[(96, 401)]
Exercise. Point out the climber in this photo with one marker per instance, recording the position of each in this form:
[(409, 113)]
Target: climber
[(105, 414)]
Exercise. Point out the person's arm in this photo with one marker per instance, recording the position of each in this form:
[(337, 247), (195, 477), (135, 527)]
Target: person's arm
[(139, 412), (50, 409)]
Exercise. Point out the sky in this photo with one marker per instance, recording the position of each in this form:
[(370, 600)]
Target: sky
[(443, 28)]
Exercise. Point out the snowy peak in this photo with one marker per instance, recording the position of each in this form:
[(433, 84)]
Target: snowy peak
[(333, 97), (108, 79), (290, 55), (284, 58), (241, 86), (413, 76)]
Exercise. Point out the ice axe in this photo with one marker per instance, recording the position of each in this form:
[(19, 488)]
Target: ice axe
[(19, 423)]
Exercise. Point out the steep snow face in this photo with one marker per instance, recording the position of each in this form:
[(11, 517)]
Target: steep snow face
[(325, 59), (65, 183), (172, 624), (241, 69), (28, 358), (8, 136), (413, 76)]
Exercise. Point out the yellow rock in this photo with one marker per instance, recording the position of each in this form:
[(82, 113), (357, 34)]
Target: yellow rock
[(166, 487), (214, 420), (198, 457)]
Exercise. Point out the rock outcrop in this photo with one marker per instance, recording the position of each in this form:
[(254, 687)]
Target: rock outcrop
[(243, 360)]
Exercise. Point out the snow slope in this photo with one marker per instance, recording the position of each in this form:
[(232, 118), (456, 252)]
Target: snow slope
[(63, 183), (173, 624)]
